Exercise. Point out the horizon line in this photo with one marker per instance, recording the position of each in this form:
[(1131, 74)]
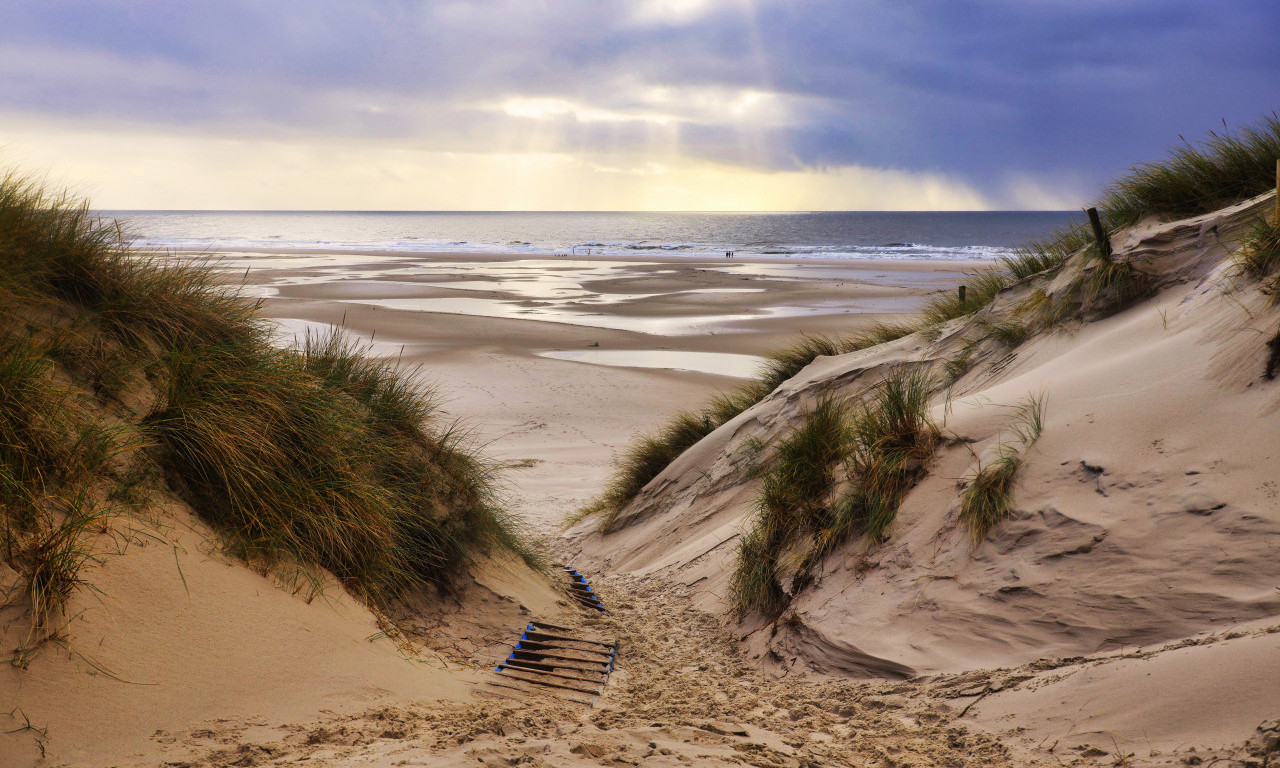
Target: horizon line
[(558, 210)]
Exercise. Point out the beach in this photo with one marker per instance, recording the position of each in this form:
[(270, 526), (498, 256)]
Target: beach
[(483, 329)]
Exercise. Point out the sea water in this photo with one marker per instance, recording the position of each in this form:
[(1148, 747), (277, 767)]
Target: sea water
[(851, 235)]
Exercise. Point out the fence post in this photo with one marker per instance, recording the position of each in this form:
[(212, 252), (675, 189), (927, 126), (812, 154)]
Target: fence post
[(961, 291), (1104, 242), (1278, 192)]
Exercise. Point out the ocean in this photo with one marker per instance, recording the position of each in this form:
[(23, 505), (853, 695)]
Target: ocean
[(851, 235)]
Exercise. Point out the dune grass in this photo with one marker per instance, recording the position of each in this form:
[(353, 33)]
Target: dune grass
[(50, 452), (981, 288), (653, 452), (1273, 356), (988, 496), (1259, 254), (1224, 169), (314, 458), (798, 495), (323, 457), (894, 437), (843, 471)]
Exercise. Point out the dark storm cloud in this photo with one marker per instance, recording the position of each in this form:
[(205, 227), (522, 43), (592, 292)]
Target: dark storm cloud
[(985, 91)]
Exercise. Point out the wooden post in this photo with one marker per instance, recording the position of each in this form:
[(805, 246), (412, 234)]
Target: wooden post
[(1104, 242), (961, 291), (1278, 192)]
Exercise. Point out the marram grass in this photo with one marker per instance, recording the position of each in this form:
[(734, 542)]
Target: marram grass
[(988, 496), (321, 457), (1259, 254), (842, 472), (653, 452)]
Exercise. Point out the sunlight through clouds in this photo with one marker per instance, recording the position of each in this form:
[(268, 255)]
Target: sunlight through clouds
[(662, 105), (974, 104), (674, 11), (137, 170)]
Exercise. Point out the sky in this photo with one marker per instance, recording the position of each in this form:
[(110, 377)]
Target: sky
[(620, 104)]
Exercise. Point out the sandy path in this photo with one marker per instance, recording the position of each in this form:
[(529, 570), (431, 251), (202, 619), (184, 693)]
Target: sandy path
[(684, 694)]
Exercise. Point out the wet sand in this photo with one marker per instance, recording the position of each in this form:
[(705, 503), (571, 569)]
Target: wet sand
[(492, 334)]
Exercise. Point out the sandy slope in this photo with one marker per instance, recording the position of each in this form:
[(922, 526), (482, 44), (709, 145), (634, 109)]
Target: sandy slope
[(1148, 512), (176, 644)]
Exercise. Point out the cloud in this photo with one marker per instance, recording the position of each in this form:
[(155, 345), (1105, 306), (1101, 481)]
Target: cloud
[(135, 169), (1058, 95)]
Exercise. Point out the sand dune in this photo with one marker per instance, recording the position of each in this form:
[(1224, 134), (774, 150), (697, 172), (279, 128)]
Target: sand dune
[(1146, 513)]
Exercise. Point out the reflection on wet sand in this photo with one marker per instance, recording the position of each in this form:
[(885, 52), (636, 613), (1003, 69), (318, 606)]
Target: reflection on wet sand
[(718, 363)]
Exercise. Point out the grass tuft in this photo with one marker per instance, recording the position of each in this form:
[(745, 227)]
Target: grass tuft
[(894, 439), (981, 288), (785, 363), (988, 497), (50, 558), (1259, 254), (325, 458), (1009, 333), (797, 495), (876, 450), (1224, 169)]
